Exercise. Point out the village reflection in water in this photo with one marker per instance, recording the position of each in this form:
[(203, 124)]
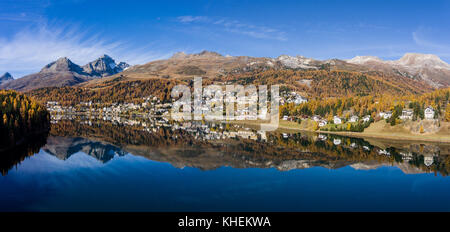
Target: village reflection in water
[(212, 145)]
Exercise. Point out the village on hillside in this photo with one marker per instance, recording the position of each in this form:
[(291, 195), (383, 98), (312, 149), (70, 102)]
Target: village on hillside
[(154, 109)]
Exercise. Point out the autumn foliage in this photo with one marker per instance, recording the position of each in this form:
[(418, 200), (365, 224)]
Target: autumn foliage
[(129, 91), (330, 83), (20, 117), (371, 105)]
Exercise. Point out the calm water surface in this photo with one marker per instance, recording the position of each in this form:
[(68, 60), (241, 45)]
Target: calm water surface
[(80, 170)]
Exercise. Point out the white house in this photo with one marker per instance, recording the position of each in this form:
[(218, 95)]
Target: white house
[(386, 115), (299, 100), (295, 98), (354, 118), (337, 120), (429, 113), (316, 118), (262, 135), (322, 137), (406, 114), (366, 118), (322, 123), (52, 103), (406, 156), (428, 160)]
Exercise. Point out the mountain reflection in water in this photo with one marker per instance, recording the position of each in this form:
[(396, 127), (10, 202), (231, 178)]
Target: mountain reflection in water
[(157, 166), (212, 146)]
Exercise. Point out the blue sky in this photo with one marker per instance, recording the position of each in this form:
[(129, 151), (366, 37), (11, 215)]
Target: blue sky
[(34, 33)]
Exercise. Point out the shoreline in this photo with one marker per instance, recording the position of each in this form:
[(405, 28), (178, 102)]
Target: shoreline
[(293, 126), (363, 135), (373, 136)]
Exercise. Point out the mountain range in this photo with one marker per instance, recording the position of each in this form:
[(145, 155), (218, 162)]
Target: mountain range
[(426, 68), (413, 73), (63, 72)]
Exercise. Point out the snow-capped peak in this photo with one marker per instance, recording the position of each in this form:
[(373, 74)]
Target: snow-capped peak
[(364, 59), (422, 60), (409, 60)]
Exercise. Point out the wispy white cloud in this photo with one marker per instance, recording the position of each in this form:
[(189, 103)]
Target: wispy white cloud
[(189, 18), (21, 17), (31, 48), (235, 26), (421, 37)]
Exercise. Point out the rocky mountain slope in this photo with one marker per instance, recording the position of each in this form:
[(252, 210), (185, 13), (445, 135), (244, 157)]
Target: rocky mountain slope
[(104, 66), (206, 63), (6, 77), (63, 72), (58, 73), (212, 64), (427, 67)]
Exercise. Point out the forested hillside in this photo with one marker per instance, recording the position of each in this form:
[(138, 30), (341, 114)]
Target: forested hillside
[(114, 91), (371, 105), (326, 83), (311, 83)]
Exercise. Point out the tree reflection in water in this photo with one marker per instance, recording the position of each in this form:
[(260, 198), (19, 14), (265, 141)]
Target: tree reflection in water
[(14, 156), (207, 148)]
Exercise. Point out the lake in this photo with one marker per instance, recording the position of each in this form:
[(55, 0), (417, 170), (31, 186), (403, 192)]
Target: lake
[(104, 166)]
